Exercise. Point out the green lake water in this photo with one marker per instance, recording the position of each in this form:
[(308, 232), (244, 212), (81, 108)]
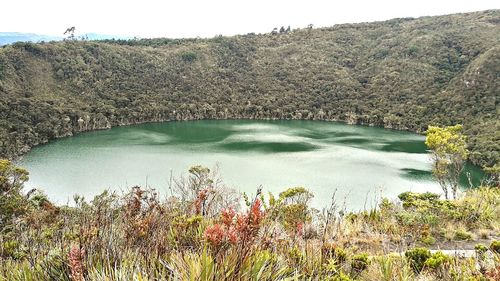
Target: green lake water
[(362, 163)]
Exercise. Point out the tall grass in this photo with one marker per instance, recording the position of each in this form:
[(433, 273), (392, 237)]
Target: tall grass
[(203, 232)]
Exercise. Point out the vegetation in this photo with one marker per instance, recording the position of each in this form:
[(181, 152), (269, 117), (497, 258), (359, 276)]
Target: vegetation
[(404, 74), (203, 232), (449, 152)]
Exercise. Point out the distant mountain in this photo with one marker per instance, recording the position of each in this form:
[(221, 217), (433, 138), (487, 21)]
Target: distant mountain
[(12, 37), (96, 36)]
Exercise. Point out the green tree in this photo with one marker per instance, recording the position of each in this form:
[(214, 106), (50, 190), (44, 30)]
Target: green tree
[(12, 202), (449, 152), (291, 207)]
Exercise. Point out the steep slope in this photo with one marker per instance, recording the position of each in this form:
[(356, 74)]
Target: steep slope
[(402, 74)]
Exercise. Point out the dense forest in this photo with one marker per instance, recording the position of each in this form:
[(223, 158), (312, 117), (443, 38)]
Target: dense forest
[(403, 74)]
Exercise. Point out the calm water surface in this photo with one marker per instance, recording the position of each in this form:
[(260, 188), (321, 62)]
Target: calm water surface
[(362, 163)]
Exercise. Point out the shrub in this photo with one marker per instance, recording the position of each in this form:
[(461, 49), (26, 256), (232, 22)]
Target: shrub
[(12, 202), (417, 258), (428, 240), (296, 255), (495, 246), (480, 252), (293, 205), (359, 262), (437, 260), (340, 255), (461, 235), (11, 249), (480, 248), (336, 253), (412, 196), (189, 57)]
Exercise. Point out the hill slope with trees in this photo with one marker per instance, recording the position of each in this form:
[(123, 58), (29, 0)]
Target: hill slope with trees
[(403, 74)]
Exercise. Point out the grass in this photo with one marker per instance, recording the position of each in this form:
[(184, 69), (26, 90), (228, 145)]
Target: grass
[(203, 232)]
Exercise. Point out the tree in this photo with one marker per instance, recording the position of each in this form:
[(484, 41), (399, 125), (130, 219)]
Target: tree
[(12, 202), (292, 208), (70, 32), (449, 152)]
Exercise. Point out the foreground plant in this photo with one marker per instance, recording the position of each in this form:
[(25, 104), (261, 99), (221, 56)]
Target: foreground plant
[(198, 235)]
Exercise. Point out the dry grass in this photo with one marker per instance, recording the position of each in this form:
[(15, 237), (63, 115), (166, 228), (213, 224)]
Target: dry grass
[(197, 236)]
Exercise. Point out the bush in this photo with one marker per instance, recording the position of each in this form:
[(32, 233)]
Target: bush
[(189, 57), (359, 262), (412, 196), (461, 235), (437, 260), (296, 255), (495, 246), (480, 252), (336, 253), (11, 249), (428, 240), (12, 202), (417, 258), (480, 248)]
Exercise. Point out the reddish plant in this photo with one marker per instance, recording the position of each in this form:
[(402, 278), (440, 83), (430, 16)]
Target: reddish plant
[(234, 227), (300, 229), (232, 235), (228, 216), (494, 274), (199, 203), (215, 234), (256, 215), (75, 258)]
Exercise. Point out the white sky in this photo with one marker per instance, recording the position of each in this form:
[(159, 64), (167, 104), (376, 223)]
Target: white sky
[(206, 18)]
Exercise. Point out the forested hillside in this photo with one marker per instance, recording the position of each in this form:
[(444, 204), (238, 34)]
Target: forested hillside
[(403, 74)]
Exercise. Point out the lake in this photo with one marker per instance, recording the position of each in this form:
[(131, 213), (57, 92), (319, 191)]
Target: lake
[(362, 163)]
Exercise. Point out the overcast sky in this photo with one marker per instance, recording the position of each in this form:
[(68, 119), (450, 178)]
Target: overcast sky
[(206, 18)]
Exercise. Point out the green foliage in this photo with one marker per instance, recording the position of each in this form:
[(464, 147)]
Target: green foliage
[(336, 255), (292, 207), (461, 235), (428, 240), (449, 150), (137, 236), (295, 255), (12, 202), (339, 254), (448, 140), (11, 249), (437, 260), (412, 196), (189, 57), (495, 246), (417, 258), (403, 74), (412, 199), (481, 252), (480, 248), (360, 262)]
